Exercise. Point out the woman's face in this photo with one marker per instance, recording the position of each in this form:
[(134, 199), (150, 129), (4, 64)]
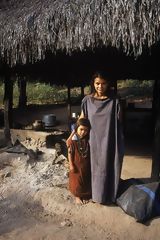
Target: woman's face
[(100, 86), (82, 131)]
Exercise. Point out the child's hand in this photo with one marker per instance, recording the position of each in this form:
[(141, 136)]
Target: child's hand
[(72, 169), (69, 140)]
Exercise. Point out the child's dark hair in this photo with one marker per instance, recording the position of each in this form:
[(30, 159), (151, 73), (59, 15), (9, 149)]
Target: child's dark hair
[(84, 122)]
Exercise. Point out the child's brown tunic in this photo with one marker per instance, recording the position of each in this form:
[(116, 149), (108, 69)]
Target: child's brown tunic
[(80, 179)]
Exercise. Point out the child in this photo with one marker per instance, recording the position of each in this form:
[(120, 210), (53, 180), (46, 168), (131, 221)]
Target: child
[(79, 162)]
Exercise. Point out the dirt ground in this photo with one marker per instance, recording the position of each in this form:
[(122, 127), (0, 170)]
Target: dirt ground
[(48, 212)]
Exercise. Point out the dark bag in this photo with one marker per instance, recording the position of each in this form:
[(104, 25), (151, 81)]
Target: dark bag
[(141, 201)]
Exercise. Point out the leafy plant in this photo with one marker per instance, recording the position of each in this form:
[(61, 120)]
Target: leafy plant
[(43, 93)]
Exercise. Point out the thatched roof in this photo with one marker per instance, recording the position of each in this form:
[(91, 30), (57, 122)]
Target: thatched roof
[(30, 28)]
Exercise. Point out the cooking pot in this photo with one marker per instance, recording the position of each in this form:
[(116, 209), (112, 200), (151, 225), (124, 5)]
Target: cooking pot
[(37, 125), (49, 120)]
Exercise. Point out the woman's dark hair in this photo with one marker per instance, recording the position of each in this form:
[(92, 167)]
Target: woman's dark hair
[(84, 122), (103, 75)]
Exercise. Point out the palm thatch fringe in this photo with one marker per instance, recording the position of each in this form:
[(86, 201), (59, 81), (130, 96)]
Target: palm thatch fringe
[(29, 28)]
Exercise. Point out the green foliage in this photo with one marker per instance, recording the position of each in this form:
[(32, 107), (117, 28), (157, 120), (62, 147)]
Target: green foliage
[(43, 93), (135, 88), (15, 94), (87, 90), (39, 93), (135, 83)]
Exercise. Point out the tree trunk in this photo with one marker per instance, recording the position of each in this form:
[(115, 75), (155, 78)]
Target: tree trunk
[(8, 102)]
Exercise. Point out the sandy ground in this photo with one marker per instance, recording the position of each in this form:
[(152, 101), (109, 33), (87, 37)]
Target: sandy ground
[(49, 212)]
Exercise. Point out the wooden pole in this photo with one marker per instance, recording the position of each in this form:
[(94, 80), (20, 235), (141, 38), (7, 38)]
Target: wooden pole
[(82, 92), (69, 107), (22, 92), (8, 102), (156, 101), (156, 132), (115, 86), (156, 152)]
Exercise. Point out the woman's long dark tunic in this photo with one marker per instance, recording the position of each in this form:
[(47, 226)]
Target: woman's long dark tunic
[(106, 146)]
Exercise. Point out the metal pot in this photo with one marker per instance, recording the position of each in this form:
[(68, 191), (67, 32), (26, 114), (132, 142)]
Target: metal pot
[(49, 120), (37, 125)]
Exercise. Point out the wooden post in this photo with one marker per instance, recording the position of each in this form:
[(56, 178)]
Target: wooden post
[(156, 151), (82, 92), (69, 107), (156, 101), (115, 86), (123, 114), (22, 92), (8, 102), (156, 132)]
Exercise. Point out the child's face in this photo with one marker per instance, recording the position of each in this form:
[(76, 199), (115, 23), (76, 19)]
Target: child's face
[(82, 131)]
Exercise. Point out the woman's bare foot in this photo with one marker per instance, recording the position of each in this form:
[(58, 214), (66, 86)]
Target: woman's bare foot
[(78, 201)]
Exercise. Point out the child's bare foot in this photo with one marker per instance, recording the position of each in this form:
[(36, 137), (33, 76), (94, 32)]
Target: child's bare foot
[(85, 201), (78, 201)]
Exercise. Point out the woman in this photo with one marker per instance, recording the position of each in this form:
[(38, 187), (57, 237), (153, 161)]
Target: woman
[(102, 108)]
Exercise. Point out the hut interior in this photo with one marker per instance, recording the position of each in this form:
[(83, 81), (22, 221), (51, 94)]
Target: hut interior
[(64, 41), (76, 70)]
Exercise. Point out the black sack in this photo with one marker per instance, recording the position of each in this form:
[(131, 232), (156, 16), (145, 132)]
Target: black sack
[(125, 184), (141, 201)]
